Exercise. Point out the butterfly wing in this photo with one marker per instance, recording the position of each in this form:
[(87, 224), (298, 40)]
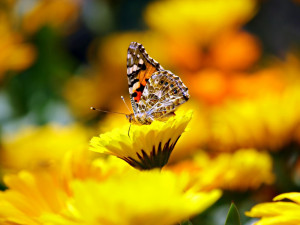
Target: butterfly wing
[(163, 93), (140, 67)]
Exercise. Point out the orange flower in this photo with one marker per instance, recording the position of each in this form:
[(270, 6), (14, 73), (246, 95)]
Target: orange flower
[(215, 86), (261, 83), (234, 51), (209, 86), (184, 55)]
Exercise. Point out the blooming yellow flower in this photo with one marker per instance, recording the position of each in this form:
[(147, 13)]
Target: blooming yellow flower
[(146, 198), (278, 212), (229, 170), (255, 122), (148, 146), (30, 195), (88, 192), (41, 147)]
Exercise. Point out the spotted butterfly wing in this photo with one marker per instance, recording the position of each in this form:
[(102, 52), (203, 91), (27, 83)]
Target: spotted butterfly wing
[(163, 93), (155, 92), (140, 67)]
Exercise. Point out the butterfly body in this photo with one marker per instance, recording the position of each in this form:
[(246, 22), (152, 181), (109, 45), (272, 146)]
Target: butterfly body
[(139, 118), (155, 92)]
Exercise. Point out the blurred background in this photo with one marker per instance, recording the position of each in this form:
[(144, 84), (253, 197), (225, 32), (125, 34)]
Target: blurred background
[(239, 59)]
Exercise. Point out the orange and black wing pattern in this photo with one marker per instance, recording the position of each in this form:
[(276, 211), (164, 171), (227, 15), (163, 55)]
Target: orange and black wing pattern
[(140, 67)]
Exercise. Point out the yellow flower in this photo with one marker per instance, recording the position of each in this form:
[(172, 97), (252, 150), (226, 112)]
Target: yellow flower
[(198, 20), (55, 13), (32, 195), (41, 147), (29, 196), (255, 123), (148, 146), (88, 192), (228, 171), (146, 198), (256, 166), (279, 212)]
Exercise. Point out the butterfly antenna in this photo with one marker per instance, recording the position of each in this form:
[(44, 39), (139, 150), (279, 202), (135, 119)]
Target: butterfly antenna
[(125, 104), (92, 108)]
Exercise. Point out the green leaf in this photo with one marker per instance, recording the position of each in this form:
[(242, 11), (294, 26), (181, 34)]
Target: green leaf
[(233, 216), (187, 222)]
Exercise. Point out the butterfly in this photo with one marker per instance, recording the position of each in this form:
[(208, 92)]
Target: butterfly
[(155, 93)]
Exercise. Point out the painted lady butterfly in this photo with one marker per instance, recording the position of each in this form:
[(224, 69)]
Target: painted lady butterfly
[(155, 92)]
